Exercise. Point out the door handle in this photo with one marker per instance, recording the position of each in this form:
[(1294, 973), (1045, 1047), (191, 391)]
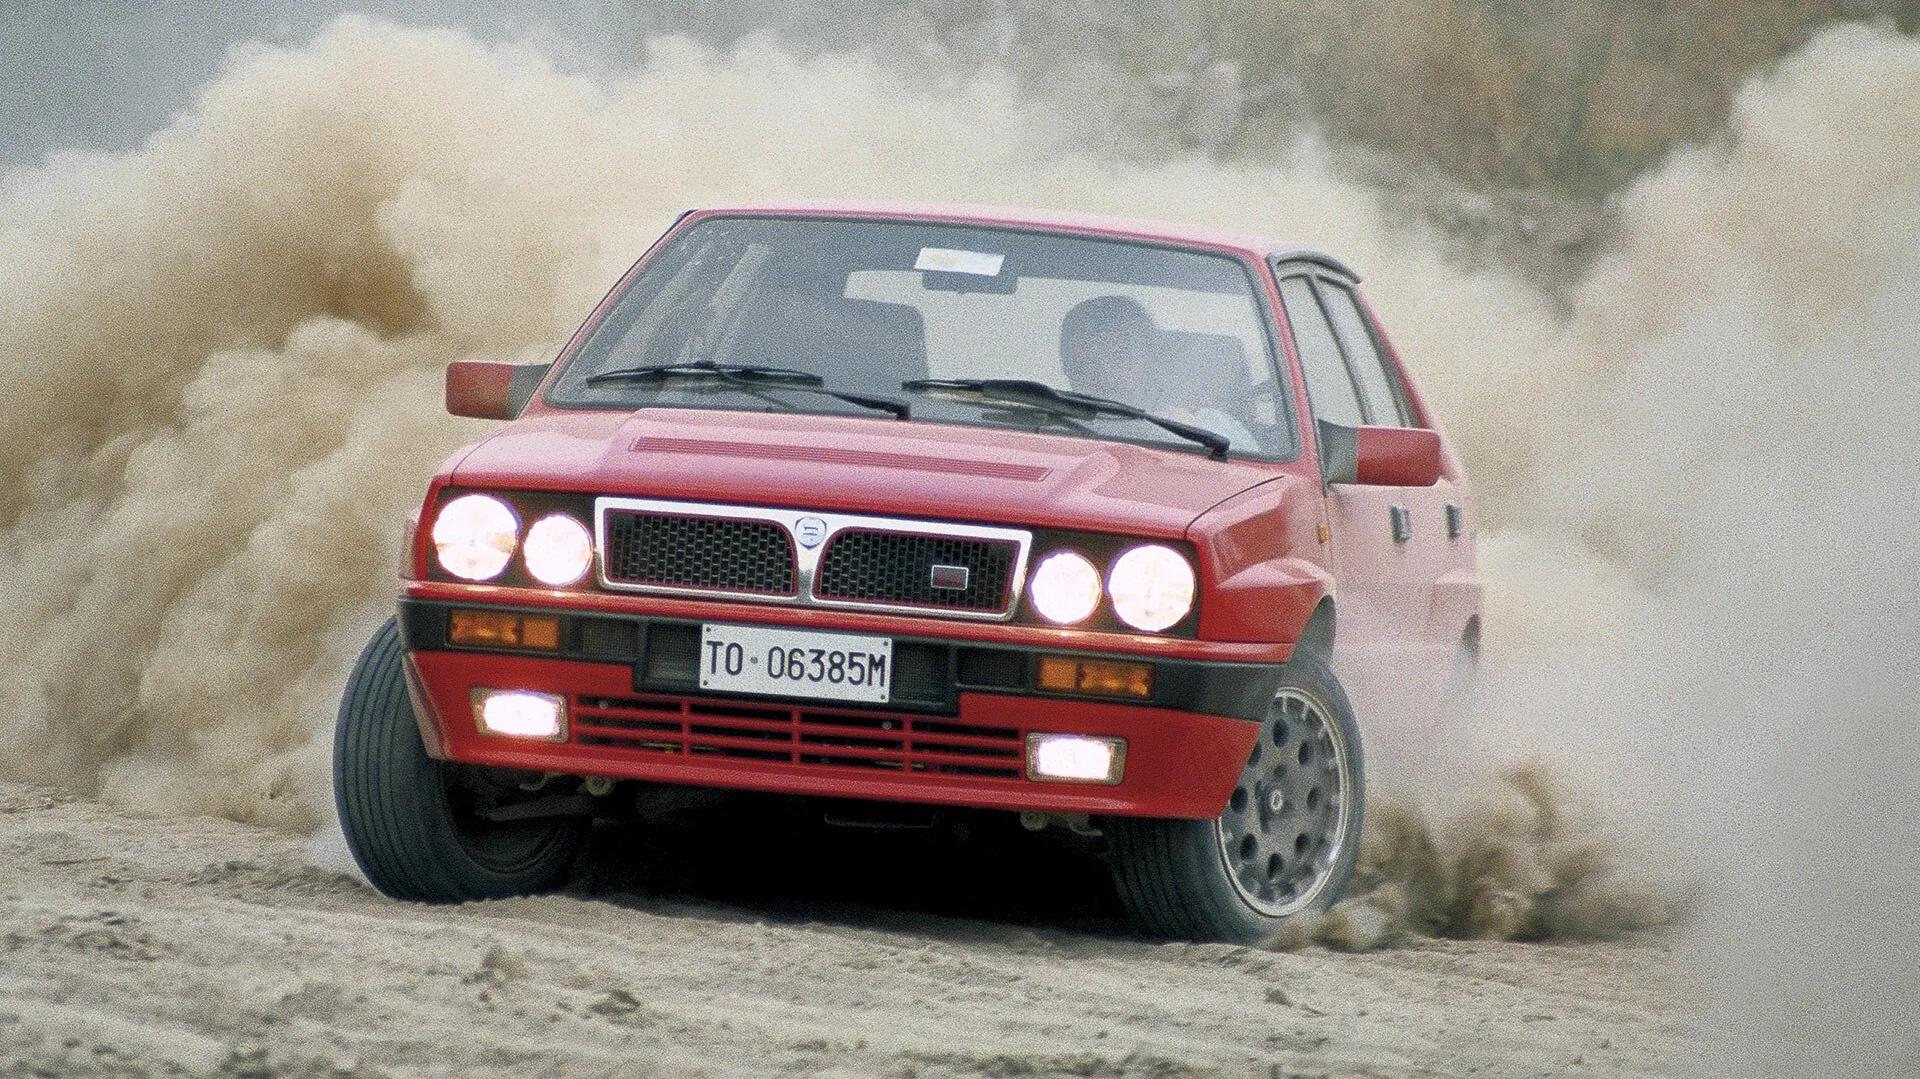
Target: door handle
[(1401, 522)]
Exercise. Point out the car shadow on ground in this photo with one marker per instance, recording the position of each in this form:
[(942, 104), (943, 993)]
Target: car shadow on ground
[(806, 860)]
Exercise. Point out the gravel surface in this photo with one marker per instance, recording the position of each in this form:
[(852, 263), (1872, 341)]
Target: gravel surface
[(201, 947)]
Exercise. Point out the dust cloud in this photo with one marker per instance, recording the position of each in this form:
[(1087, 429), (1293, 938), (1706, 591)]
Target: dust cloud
[(1695, 467), (226, 345), (1708, 601)]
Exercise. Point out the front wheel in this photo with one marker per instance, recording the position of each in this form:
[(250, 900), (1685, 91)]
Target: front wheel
[(418, 826), (1286, 842)]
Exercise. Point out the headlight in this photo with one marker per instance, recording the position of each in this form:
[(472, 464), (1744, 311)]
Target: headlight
[(1066, 587), (558, 550), (475, 536), (1152, 587)]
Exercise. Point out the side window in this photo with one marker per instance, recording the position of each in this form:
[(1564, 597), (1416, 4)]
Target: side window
[(1330, 389), (1386, 405)]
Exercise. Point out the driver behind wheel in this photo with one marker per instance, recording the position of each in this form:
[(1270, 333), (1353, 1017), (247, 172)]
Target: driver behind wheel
[(1111, 347)]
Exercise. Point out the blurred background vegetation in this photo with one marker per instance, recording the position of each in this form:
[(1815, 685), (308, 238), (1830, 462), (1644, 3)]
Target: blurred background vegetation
[(1506, 123), (1565, 98), (1572, 96)]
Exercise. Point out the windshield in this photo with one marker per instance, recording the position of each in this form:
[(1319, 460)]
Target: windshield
[(875, 309)]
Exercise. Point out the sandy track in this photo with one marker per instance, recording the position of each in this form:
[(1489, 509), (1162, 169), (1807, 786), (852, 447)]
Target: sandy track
[(203, 947)]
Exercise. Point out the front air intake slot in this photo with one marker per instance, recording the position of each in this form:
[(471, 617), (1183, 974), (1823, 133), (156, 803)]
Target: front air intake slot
[(810, 736)]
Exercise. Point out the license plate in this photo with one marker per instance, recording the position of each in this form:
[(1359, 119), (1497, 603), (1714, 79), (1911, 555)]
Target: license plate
[(796, 663)]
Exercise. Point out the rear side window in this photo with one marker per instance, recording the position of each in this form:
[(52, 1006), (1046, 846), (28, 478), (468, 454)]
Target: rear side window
[(1330, 389), (1379, 389)]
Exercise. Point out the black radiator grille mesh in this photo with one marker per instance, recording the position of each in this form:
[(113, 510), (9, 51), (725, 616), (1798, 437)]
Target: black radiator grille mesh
[(894, 567), (699, 552)]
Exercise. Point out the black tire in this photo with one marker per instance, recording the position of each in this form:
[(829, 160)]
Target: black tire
[(1286, 843), (409, 819)]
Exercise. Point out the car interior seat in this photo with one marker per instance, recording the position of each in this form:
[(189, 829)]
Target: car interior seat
[(1214, 369), (863, 345)]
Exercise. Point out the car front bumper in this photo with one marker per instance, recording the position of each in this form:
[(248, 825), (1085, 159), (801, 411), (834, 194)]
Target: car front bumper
[(954, 733)]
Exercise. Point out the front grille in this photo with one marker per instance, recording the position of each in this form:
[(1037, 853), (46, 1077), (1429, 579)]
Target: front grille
[(775, 555), (699, 552), (872, 566), (809, 737)]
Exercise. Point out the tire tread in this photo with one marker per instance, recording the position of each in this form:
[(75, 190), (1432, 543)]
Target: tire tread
[(1164, 869), (388, 797)]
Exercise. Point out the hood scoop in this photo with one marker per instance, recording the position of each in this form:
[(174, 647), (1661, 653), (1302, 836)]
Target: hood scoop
[(998, 470)]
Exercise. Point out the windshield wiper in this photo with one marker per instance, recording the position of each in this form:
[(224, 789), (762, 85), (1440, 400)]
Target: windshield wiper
[(752, 376), (1068, 404), (707, 368)]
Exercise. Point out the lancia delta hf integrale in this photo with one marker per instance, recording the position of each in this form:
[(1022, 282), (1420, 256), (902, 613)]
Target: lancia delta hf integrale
[(1061, 517)]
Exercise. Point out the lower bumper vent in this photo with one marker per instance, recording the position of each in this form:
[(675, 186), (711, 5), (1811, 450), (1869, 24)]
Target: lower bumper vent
[(805, 736)]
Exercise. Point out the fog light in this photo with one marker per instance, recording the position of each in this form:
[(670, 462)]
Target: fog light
[(1067, 674), (504, 629), (518, 713), (1076, 758)]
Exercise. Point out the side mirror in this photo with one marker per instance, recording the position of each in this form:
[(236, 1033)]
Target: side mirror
[(1379, 456), (492, 391)]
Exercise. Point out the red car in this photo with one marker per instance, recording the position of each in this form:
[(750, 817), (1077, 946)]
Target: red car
[(1054, 516)]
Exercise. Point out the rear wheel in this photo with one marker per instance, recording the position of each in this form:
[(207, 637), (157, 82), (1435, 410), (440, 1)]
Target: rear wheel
[(1286, 842), (420, 828)]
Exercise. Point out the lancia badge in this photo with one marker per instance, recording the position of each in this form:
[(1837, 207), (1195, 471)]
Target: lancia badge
[(810, 531)]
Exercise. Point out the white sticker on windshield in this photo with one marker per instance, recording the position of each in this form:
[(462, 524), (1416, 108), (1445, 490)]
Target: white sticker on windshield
[(947, 260)]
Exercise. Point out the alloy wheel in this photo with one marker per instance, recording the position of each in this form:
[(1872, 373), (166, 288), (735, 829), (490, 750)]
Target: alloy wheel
[(1286, 824)]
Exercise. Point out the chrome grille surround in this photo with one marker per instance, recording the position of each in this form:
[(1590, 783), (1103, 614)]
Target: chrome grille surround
[(807, 558)]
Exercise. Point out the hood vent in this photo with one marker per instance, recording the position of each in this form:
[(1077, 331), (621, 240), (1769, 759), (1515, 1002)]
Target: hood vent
[(828, 455)]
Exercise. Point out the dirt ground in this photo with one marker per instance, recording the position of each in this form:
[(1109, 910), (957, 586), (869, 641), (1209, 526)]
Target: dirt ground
[(201, 947)]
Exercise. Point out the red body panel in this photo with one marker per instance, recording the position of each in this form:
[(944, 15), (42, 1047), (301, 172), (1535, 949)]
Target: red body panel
[(1271, 543), (1263, 566), (1178, 765), (861, 465), (1053, 637)]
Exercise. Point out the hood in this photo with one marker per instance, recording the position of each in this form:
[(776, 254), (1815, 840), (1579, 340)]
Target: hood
[(861, 465)]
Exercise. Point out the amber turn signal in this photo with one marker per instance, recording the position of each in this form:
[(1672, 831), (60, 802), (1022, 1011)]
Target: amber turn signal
[(1071, 674), (504, 629)]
